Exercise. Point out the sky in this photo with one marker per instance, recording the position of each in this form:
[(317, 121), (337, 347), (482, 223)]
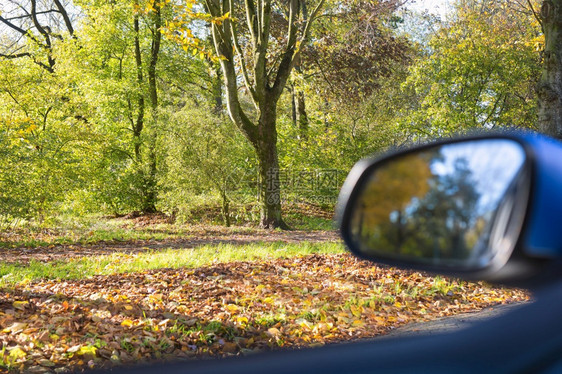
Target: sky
[(433, 6)]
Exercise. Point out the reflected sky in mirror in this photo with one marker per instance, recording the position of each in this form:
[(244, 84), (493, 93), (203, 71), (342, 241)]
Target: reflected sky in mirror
[(437, 205), (491, 171)]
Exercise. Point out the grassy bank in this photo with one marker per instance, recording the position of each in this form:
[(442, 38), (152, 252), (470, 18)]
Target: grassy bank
[(87, 266)]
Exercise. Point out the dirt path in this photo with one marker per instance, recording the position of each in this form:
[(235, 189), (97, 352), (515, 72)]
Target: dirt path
[(63, 252)]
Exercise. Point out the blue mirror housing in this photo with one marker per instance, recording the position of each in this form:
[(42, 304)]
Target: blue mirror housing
[(543, 232), (404, 208)]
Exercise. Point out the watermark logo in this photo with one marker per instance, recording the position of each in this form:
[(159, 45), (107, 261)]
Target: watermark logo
[(312, 181), (319, 186)]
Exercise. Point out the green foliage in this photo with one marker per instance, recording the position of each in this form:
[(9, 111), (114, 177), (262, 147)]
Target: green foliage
[(205, 157), (479, 72), (340, 133), (44, 140)]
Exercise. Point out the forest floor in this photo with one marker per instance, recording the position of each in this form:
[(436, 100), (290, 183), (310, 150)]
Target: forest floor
[(205, 291), (198, 236)]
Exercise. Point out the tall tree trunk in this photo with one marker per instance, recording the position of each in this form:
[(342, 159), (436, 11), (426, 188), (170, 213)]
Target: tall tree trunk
[(139, 123), (294, 106), (150, 192), (550, 84), (302, 117), (147, 185), (217, 89), (268, 164), (299, 107)]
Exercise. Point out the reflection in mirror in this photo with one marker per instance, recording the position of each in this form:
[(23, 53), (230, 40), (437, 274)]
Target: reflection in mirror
[(451, 205)]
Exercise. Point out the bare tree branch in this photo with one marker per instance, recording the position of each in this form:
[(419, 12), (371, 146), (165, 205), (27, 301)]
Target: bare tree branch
[(251, 18), (37, 25), (222, 37), (65, 17), (12, 26), (27, 15), (260, 48), (17, 55), (537, 16), (241, 57), (293, 51)]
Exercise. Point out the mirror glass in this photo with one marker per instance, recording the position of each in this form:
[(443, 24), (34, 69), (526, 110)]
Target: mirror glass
[(451, 205)]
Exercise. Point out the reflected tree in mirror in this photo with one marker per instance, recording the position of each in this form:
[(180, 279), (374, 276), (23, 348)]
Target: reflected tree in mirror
[(438, 205)]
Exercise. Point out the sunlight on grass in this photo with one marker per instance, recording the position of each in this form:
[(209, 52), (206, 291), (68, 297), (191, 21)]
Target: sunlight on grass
[(169, 258)]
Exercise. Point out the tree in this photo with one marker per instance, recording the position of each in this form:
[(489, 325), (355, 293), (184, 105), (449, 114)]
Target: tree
[(448, 212), (248, 53), (480, 70), (118, 56), (550, 83), (154, 23), (353, 48), (42, 124), (203, 163)]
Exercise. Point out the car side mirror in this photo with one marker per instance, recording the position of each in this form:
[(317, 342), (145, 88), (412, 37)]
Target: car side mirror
[(476, 207)]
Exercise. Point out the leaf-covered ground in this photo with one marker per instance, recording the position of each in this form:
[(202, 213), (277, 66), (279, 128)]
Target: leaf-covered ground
[(220, 310)]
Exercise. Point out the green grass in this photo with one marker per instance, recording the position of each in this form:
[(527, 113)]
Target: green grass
[(93, 237), (302, 222), (85, 267), (89, 232)]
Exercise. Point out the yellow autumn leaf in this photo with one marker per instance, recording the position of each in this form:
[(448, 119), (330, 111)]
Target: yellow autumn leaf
[(16, 353), (91, 350), (127, 323), (21, 305), (231, 308), (358, 323), (356, 311)]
